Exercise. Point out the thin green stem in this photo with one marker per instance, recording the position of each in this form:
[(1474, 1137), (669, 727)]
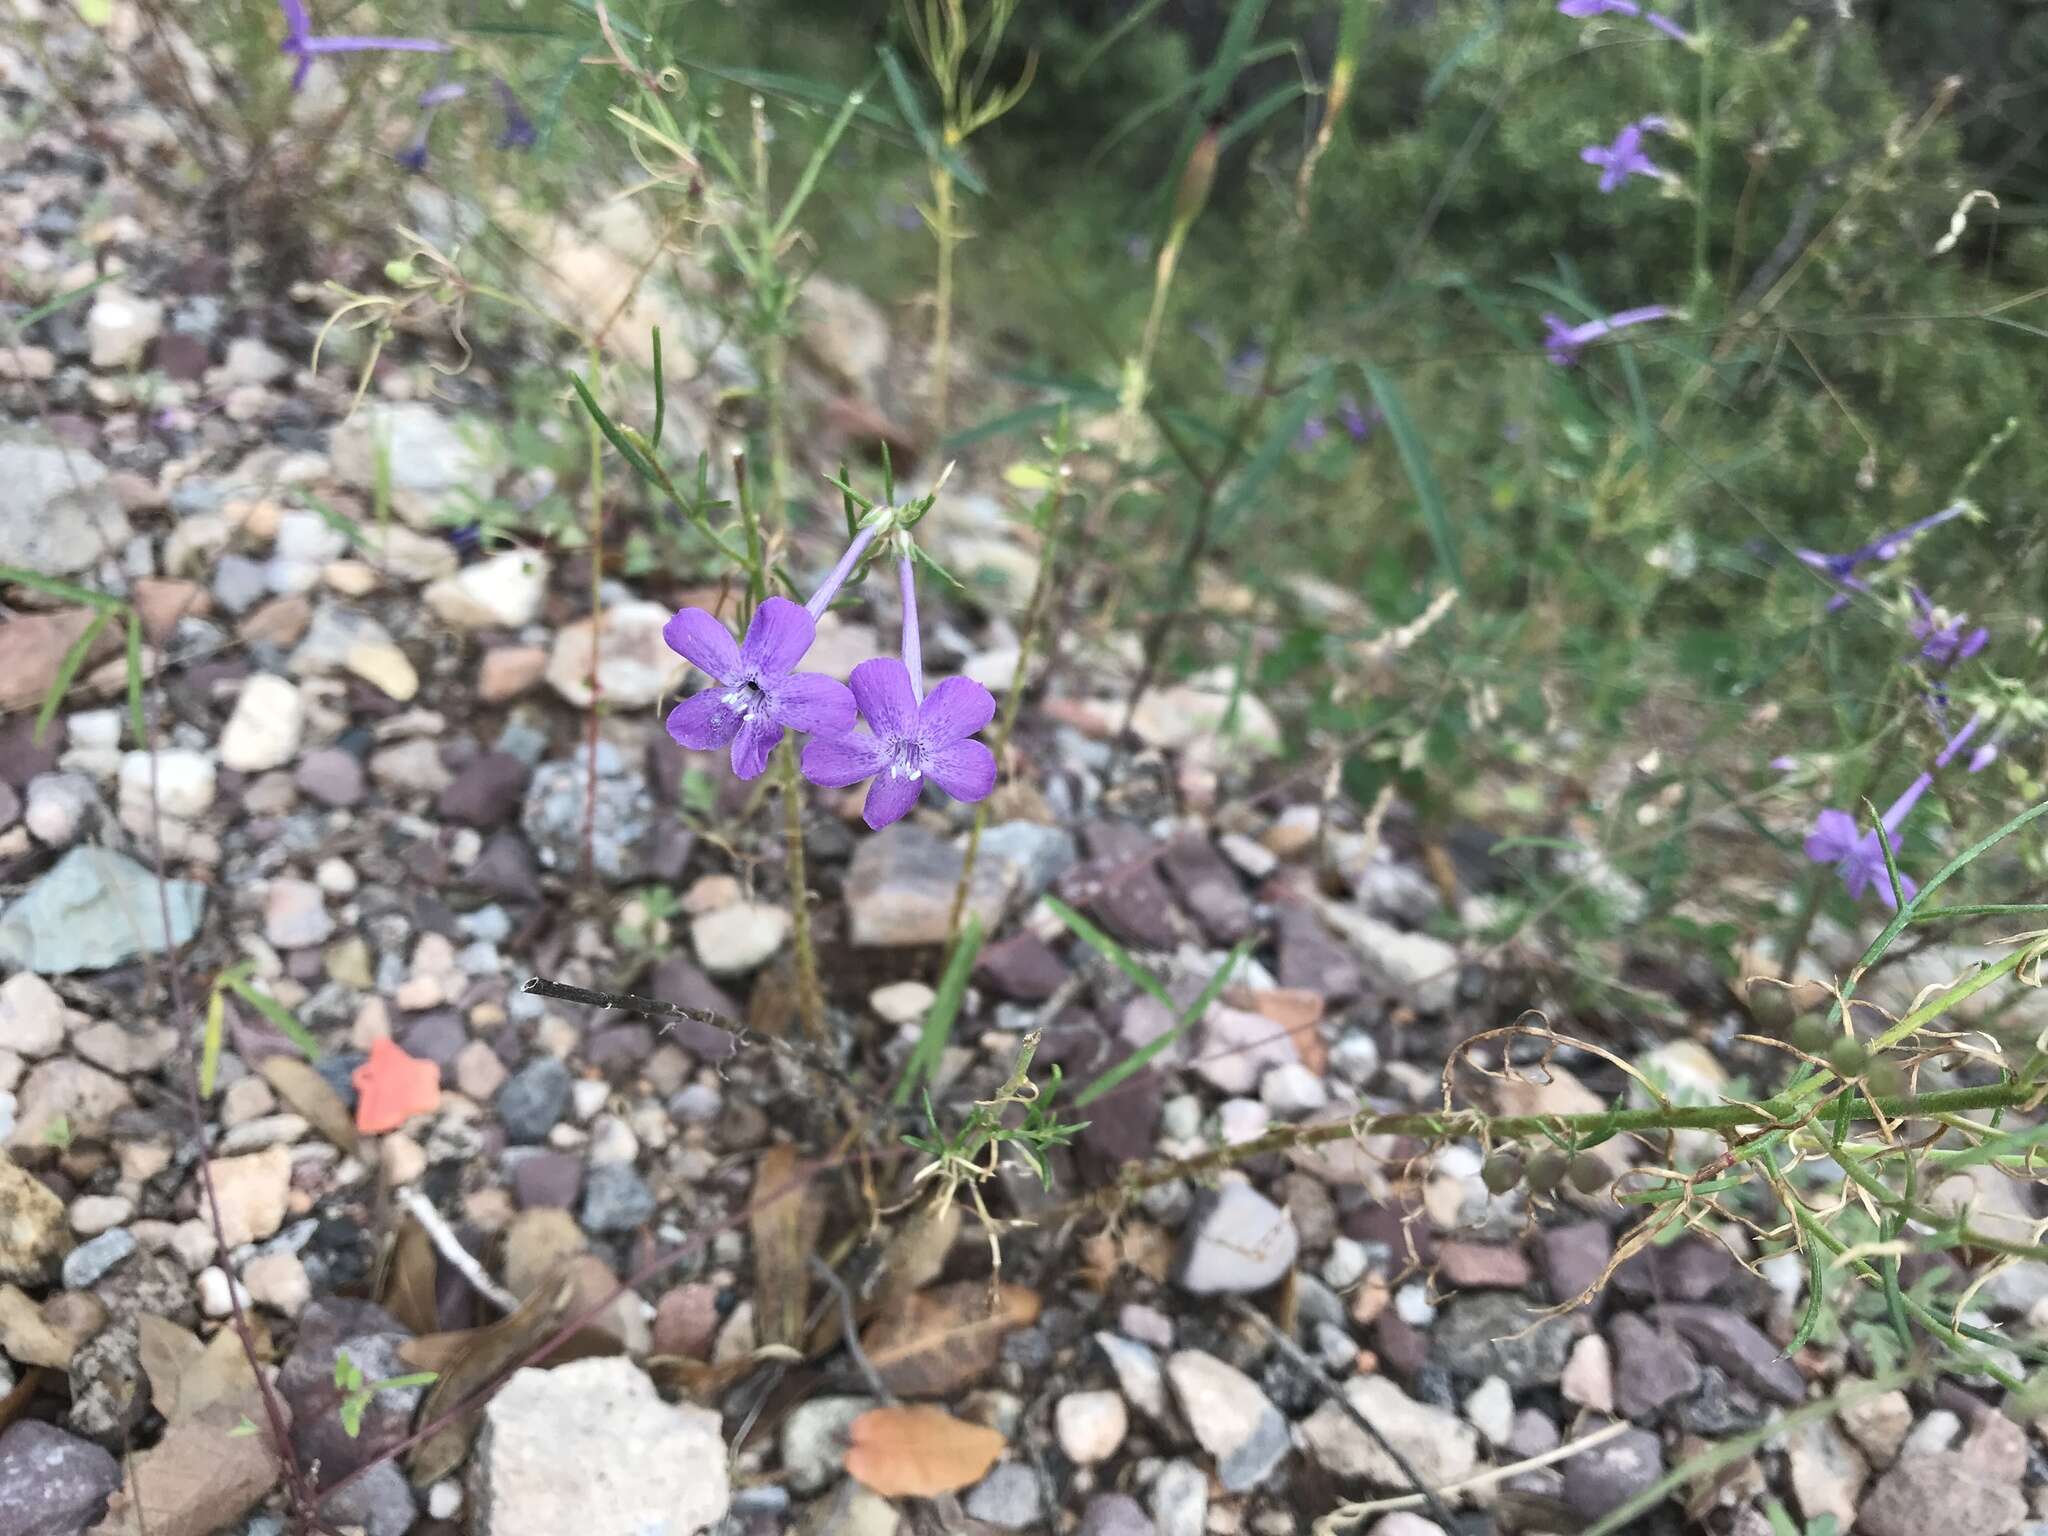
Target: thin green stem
[(1703, 160), (809, 996), (942, 321)]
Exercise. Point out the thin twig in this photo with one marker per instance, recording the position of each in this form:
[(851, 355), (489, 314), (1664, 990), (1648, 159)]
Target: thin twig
[(1327, 1526), (449, 1246), (1301, 1361), (873, 1377)]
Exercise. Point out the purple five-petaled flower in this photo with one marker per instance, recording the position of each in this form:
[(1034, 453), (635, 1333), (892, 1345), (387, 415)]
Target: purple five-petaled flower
[(301, 43), (1841, 568), (1859, 856), (1624, 157), (756, 691), (1945, 639), (1583, 9), (1564, 342), (912, 740)]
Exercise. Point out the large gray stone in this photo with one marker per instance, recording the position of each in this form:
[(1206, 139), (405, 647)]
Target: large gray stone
[(95, 909), (1236, 1243), (59, 515), (1234, 1421), (56, 1484), (591, 1448), (900, 887)]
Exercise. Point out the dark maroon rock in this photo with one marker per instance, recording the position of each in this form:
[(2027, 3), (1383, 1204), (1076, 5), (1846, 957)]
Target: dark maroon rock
[(1574, 1257), (1403, 1231), (370, 1337), (1403, 1350), (438, 1037), (57, 1484), (1132, 902), (1653, 1366), (677, 981), (1736, 1345), (182, 357), (1311, 959), (620, 1048), (486, 791), (1603, 1479), (1690, 1269), (1124, 1121), (22, 757), (1022, 967), (505, 869), (552, 1179), (669, 848), (1209, 888)]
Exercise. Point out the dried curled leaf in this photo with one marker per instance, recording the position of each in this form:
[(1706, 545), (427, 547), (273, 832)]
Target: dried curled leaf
[(918, 1451), (785, 1232), (945, 1338)]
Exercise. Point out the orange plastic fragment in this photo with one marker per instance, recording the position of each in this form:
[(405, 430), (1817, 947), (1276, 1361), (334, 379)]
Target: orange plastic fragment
[(392, 1087)]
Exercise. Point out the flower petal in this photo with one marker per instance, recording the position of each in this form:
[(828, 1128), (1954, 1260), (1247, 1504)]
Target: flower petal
[(957, 708), (296, 22), (881, 687), (890, 798), (703, 721), (837, 761), (1833, 836), (701, 640), (777, 639), (813, 702), (750, 748), (966, 770)]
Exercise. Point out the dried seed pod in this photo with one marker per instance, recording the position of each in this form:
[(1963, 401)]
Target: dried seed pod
[(1502, 1172), (1546, 1169)]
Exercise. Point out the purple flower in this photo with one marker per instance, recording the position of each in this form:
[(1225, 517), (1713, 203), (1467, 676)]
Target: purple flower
[(1313, 430), (1859, 856), (911, 741), (1624, 157), (1945, 640), (1357, 422), (1841, 569), (758, 690), (1582, 9), (301, 44), (518, 132), (1564, 342)]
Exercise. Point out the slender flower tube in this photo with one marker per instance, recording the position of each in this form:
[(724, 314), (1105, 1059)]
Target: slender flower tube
[(1582, 9), (1859, 856), (300, 42), (1564, 342), (1945, 639), (1841, 569)]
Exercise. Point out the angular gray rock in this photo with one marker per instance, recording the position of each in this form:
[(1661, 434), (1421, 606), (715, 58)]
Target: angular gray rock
[(60, 515), (1236, 1242), (1490, 1333), (899, 890), (1608, 1476), (1231, 1418), (56, 1484), (1736, 1345), (591, 1448), (94, 909)]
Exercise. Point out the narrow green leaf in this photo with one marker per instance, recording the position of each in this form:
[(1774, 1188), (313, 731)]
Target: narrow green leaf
[(1273, 451), (1138, 16), (1189, 1017), (1257, 113), (640, 464), (660, 393), (1816, 1300), (50, 586), (1421, 477), (277, 1014), (815, 166), (209, 1043), (1111, 951), (67, 671), (63, 300), (339, 521), (137, 726), (945, 1008)]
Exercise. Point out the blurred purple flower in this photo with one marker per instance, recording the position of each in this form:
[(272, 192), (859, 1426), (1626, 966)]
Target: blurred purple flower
[(1859, 856), (1841, 569), (911, 737), (1582, 9), (1945, 640), (1564, 342), (1313, 430), (518, 132), (758, 692), (301, 43), (1357, 422), (1624, 157)]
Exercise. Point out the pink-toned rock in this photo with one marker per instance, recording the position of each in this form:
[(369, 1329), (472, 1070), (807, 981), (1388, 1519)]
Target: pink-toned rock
[(686, 1321), (508, 671), (1482, 1266)]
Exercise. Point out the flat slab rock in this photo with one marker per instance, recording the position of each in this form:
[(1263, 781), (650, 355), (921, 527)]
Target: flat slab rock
[(1237, 1242), (590, 1448)]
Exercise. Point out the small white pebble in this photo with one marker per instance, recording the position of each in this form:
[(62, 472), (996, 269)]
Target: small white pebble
[(93, 1214), (1412, 1305), (213, 1292), (901, 1002), (278, 1281), (586, 1097), (194, 1245), (337, 877), (444, 1499), (1346, 1264)]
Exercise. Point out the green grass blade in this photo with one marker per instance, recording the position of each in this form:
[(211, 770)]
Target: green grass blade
[(277, 1014), (945, 1008), (67, 671), (815, 166), (1111, 951), (660, 394), (50, 586), (209, 1043), (1138, 1059), (1421, 476), (63, 300), (136, 724)]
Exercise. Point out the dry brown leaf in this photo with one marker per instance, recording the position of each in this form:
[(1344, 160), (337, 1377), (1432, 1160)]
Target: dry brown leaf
[(406, 1286), (916, 1252), (220, 1373), (491, 1351), (942, 1339), (1298, 1011), (918, 1451), (785, 1232), (201, 1477), (167, 1352), (1136, 1245), (49, 1334), (310, 1094), (697, 1380)]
